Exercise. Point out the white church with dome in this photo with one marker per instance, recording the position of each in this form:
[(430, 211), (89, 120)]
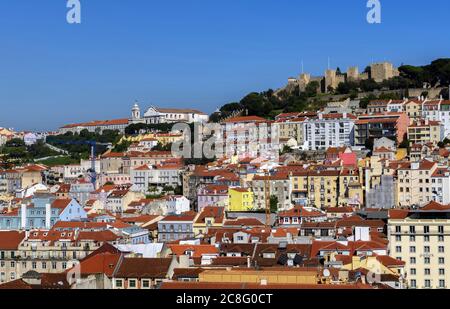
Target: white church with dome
[(155, 115)]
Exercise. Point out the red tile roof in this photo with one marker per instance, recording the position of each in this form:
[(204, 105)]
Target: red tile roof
[(211, 212), (10, 240), (390, 261), (143, 268), (197, 250), (245, 119)]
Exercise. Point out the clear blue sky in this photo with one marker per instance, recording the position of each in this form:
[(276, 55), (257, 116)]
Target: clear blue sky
[(191, 53)]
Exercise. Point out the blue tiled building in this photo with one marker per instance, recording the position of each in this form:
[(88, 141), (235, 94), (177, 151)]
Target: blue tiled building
[(42, 212)]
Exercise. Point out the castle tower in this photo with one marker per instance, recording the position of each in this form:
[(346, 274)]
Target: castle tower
[(303, 80), (330, 79), (353, 73)]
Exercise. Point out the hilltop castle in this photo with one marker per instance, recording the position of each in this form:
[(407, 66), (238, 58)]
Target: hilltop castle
[(378, 72)]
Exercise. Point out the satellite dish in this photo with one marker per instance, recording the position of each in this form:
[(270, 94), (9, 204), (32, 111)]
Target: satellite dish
[(326, 273)]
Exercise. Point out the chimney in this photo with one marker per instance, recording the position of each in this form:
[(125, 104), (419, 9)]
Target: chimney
[(344, 115), (48, 212), (23, 216), (249, 262)]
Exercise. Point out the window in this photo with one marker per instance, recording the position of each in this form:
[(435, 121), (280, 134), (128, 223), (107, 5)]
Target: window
[(12, 275), (145, 284), (442, 284), (13, 264), (119, 283), (441, 249), (412, 229), (426, 249), (44, 265), (441, 260), (412, 249), (441, 271), (413, 284), (440, 238), (64, 265), (398, 249), (427, 260), (413, 271), (54, 265), (132, 283), (427, 271), (412, 238), (426, 229), (398, 238), (34, 265), (412, 260), (441, 229), (426, 238), (427, 283)]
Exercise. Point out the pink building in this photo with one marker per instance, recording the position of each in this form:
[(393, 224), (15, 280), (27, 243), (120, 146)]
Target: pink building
[(211, 195)]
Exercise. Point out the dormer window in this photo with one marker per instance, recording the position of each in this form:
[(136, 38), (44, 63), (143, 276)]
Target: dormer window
[(269, 255)]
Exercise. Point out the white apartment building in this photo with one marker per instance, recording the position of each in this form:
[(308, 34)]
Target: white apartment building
[(438, 110), (328, 130), (415, 183), (156, 175), (440, 185), (249, 137)]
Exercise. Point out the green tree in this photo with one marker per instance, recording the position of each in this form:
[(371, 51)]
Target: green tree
[(122, 146), (312, 88), (254, 104), (273, 204), (405, 144)]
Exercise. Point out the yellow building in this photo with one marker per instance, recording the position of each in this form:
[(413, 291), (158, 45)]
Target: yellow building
[(291, 128), (318, 188), (240, 199), (211, 216), (425, 131), (163, 138), (378, 265), (413, 109), (265, 276), (420, 238), (323, 188), (299, 185), (350, 188)]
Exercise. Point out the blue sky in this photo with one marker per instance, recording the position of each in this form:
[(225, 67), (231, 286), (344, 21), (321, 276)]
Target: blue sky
[(190, 53)]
